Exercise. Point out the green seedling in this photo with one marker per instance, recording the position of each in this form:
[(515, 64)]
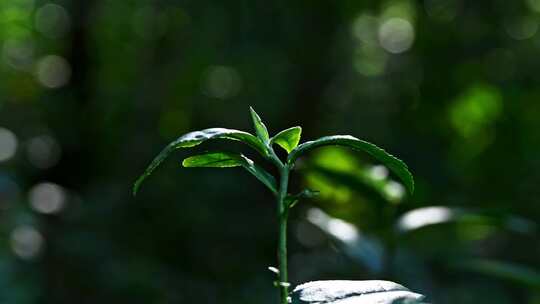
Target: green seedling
[(289, 140)]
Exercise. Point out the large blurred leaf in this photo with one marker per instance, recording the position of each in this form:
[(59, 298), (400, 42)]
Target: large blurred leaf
[(503, 270), (259, 126), (360, 247), (196, 138), (288, 139), (374, 193), (353, 292), (394, 164), (435, 215), (228, 160)]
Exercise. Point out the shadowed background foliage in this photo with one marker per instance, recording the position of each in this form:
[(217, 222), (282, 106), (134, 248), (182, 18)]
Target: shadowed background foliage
[(91, 90)]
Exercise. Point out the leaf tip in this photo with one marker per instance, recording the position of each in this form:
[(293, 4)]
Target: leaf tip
[(408, 179), (260, 128), (254, 114), (252, 111), (136, 187)]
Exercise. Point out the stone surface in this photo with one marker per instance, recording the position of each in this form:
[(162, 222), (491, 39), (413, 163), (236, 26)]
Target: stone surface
[(354, 292)]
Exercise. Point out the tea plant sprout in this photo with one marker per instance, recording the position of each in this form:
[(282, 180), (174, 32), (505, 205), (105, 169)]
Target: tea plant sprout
[(261, 142)]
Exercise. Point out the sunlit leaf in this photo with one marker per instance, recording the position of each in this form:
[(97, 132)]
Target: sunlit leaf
[(394, 164), (228, 160), (288, 139), (214, 160), (196, 138), (354, 292), (259, 126)]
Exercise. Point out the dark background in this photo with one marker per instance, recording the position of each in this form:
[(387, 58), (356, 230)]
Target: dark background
[(90, 92)]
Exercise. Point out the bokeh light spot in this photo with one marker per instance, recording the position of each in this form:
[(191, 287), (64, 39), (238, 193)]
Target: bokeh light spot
[(53, 71), (476, 110), (52, 20), (26, 242), (394, 190), (378, 172), (222, 82), (396, 35), (425, 216), (337, 228), (8, 144), (342, 230), (47, 198), (364, 28)]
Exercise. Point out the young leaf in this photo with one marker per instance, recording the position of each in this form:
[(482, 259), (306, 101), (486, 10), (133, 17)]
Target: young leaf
[(196, 138), (287, 139), (394, 164), (266, 178), (229, 160), (304, 194), (357, 292), (260, 128)]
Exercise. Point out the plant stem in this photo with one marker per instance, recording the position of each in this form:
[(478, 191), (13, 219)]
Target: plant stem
[(283, 212)]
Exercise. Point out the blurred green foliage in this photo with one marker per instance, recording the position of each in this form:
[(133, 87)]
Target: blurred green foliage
[(91, 90)]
